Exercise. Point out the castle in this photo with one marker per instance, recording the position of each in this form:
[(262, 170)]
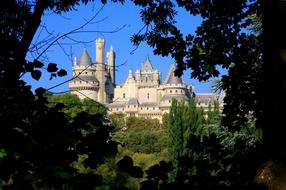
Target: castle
[(142, 95), (94, 80)]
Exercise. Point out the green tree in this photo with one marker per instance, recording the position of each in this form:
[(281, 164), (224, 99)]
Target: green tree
[(184, 120), (208, 155), (213, 114), (74, 105)]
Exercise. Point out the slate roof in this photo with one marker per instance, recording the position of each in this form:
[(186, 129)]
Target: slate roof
[(86, 78), (147, 65), (206, 98), (84, 59), (117, 105), (148, 104), (132, 101), (174, 79), (174, 96)]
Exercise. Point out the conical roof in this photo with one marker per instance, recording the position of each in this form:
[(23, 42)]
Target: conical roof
[(84, 59), (174, 79), (147, 66)]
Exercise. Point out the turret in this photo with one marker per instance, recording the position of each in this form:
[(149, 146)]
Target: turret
[(100, 69), (137, 75), (75, 61), (100, 50), (130, 75), (111, 64)]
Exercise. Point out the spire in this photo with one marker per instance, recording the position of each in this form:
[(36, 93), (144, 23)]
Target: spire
[(111, 48), (75, 61), (130, 75), (147, 65), (84, 59)]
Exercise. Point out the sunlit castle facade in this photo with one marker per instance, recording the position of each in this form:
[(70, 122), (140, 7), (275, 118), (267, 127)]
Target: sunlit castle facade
[(146, 95), (94, 79), (143, 94)]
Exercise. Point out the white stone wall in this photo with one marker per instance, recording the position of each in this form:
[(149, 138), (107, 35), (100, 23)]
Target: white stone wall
[(147, 95)]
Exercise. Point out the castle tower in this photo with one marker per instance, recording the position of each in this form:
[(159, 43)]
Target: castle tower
[(85, 84), (111, 64), (100, 69), (100, 43)]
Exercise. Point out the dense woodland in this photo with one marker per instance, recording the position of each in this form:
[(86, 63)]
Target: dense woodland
[(60, 142)]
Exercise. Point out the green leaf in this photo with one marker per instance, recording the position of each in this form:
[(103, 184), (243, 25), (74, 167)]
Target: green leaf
[(62, 73), (36, 74), (2, 153), (52, 67)]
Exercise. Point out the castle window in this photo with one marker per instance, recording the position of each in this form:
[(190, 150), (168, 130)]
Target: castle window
[(153, 108), (116, 109), (169, 101), (171, 91), (147, 108), (176, 91), (86, 82), (123, 95), (79, 82), (128, 106), (92, 72), (134, 106), (141, 108), (86, 73), (148, 96)]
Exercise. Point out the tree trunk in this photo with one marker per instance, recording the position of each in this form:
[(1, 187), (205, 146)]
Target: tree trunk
[(273, 123)]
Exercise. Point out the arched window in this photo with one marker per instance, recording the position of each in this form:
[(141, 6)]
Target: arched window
[(171, 91)]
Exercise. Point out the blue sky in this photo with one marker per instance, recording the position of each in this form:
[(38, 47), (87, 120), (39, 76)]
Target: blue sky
[(112, 17)]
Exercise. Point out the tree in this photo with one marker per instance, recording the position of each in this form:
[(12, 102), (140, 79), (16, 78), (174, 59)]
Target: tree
[(205, 156), (184, 121), (74, 105), (38, 143)]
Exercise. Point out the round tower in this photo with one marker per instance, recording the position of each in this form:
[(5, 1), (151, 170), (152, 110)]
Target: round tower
[(111, 64), (85, 83)]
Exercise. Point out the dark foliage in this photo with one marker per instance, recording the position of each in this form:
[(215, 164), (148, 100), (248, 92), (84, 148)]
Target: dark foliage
[(37, 142)]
